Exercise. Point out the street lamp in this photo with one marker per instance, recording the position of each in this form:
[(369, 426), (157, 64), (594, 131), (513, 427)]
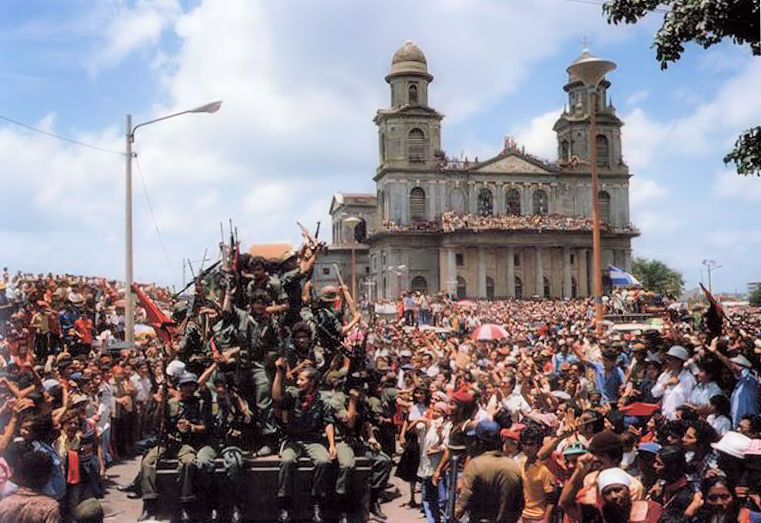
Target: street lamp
[(129, 312), (352, 222), (710, 267), (590, 70)]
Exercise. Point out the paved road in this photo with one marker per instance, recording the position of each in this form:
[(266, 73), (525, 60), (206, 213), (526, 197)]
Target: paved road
[(119, 508)]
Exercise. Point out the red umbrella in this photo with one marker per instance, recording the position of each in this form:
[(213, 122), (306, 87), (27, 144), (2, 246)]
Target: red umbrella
[(639, 408), (489, 331)]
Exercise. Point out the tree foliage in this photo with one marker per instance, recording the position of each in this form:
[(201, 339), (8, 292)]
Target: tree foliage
[(755, 297), (706, 23), (658, 277)]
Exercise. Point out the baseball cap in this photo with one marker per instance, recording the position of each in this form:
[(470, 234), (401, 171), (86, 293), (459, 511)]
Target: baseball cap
[(678, 352)]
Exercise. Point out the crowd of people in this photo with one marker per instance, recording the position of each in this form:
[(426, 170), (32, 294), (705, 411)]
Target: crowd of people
[(488, 221), (452, 222), (506, 411)]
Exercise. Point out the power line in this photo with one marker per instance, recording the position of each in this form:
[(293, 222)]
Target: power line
[(65, 139), (153, 215)]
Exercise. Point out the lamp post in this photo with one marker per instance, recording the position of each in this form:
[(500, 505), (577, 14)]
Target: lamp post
[(352, 222), (129, 311), (710, 267), (590, 70)]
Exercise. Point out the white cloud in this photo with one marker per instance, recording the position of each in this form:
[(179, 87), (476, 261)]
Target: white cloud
[(643, 192), (127, 29), (638, 97), (538, 136), (728, 185)]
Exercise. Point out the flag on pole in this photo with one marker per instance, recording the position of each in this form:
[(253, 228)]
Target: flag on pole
[(621, 278)]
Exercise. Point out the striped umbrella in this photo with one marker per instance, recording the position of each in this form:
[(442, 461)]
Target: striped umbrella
[(489, 331)]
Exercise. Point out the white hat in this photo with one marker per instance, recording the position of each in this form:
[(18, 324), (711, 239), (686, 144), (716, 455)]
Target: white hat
[(679, 352), (742, 361), (614, 476), (732, 443), (175, 368)]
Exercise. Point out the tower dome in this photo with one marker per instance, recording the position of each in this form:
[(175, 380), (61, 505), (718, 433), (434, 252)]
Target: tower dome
[(409, 59)]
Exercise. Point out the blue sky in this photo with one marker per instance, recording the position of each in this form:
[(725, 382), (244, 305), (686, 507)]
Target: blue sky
[(301, 81)]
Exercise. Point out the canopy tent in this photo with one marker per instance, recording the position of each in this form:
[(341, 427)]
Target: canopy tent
[(621, 278)]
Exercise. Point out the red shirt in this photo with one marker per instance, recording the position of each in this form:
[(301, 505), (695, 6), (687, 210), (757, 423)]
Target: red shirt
[(84, 330)]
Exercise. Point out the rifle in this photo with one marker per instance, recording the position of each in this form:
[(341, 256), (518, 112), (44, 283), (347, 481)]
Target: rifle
[(201, 276)]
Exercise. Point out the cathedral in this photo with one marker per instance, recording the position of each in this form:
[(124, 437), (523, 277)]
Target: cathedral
[(510, 226)]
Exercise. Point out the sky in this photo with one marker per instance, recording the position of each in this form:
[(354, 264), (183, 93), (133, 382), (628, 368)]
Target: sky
[(301, 81)]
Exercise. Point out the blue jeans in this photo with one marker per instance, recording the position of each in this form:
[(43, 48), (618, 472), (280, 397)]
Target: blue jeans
[(434, 500), (105, 444)]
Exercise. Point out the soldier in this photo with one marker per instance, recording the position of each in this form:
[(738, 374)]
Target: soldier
[(295, 268), (187, 421), (260, 279), (326, 323), (309, 421), (232, 430), (300, 351)]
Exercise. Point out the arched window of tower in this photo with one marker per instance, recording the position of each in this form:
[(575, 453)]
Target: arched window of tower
[(540, 202), (604, 199), (513, 202), (416, 145), (564, 150), (485, 202), (602, 151), (412, 99), (417, 204), (419, 284)]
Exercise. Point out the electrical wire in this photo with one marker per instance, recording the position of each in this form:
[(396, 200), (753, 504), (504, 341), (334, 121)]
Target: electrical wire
[(153, 215), (65, 139)]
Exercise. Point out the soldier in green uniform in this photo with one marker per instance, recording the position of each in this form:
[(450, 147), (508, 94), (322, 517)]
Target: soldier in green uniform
[(326, 322), (188, 419), (309, 422), (233, 425), (260, 279)]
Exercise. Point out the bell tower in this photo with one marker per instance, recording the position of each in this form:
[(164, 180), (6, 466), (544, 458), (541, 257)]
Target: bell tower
[(409, 131), (573, 126)]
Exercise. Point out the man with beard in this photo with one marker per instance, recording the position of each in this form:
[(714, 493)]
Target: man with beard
[(326, 322), (615, 505)]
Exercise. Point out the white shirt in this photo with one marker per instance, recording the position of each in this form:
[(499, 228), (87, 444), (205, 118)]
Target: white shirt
[(721, 424), (516, 404), (142, 386), (432, 439), (674, 396)]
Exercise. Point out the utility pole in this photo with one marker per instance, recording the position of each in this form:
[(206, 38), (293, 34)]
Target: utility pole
[(710, 266)]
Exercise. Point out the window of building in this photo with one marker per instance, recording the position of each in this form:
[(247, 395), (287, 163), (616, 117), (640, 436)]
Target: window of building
[(540, 201), (603, 159), (462, 289), (574, 288), (459, 260), (485, 202), (573, 258), (546, 289), (416, 145), (489, 288), (517, 260), (367, 270), (564, 150), (604, 202), (419, 284), (326, 271), (513, 202), (413, 99), (518, 287), (417, 204), (360, 231)]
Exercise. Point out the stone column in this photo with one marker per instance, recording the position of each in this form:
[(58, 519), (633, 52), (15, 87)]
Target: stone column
[(539, 273), (511, 272), (481, 273), (566, 272), (627, 260), (451, 271), (583, 286)]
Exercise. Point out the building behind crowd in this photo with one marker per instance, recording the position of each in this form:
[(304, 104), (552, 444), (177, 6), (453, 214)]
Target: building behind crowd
[(532, 233)]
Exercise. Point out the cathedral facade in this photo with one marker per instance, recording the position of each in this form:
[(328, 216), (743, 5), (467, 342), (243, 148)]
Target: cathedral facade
[(510, 226)]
